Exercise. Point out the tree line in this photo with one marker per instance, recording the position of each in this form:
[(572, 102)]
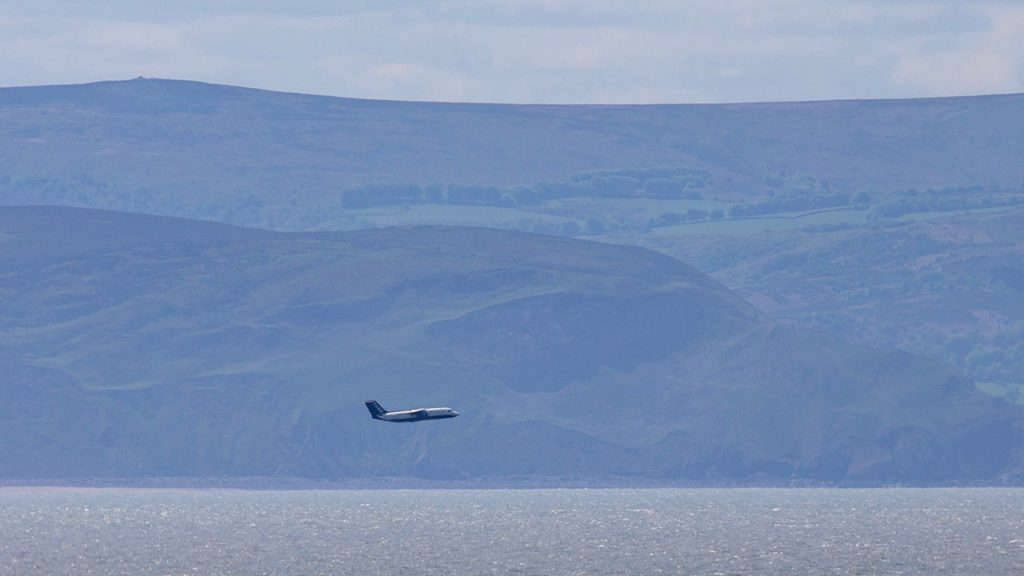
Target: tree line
[(682, 183)]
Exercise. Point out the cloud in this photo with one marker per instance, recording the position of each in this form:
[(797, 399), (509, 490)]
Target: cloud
[(530, 50), (983, 63)]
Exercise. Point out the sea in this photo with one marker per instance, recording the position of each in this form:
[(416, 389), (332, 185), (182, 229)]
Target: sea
[(748, 531)]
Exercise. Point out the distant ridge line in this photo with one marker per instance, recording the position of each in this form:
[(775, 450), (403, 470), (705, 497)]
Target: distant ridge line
[(731, 103)]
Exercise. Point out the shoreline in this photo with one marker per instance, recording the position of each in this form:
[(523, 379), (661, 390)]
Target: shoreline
[(271, 484)]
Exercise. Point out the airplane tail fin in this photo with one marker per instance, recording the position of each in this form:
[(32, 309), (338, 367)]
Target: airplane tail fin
[(375, 409)]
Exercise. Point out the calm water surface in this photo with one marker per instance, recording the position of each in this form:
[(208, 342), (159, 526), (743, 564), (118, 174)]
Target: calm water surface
[(648, 531)]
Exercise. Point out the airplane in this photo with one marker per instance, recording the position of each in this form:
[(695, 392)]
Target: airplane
[(379, 413)]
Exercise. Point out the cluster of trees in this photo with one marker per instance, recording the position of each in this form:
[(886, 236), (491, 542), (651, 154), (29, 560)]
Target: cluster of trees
[(942, 200), (1001, 360), (663, 184), (795, 203), (809, 195), (783, 193), (654, 183), (691, 215)]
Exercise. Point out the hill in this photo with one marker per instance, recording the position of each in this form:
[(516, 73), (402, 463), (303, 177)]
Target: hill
[(894, 224), (291, 161), (137, 346), (946, 285)]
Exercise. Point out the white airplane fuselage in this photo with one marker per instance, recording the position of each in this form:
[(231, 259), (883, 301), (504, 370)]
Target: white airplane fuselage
[(379, 413)]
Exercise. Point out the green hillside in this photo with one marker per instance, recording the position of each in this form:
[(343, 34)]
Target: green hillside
[(948, 285), (146, 346), (894, 225), (299, 162)]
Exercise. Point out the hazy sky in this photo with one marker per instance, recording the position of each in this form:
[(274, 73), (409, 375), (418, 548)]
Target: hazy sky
[(574, 51)]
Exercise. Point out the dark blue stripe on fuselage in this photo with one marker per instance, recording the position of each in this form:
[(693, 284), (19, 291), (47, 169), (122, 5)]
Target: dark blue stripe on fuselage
[(426, 417)]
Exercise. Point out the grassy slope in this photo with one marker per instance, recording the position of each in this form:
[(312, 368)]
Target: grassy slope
[(138, 345), (947, 286), (281, 160), (250, 156)]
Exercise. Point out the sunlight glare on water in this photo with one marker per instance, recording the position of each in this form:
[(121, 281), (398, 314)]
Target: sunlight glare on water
[(613, 531)]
